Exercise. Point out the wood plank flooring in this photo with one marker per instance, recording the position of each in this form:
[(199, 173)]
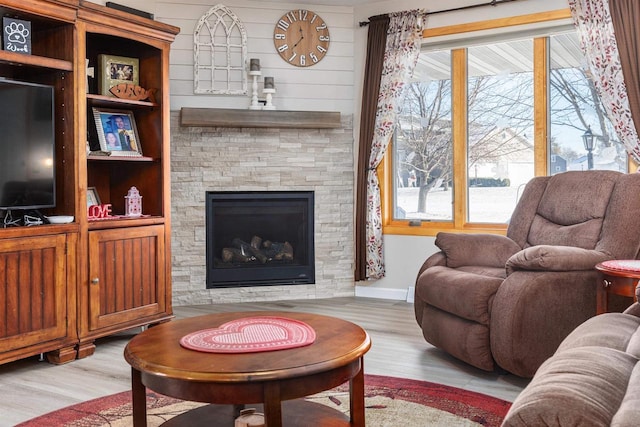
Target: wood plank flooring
[(30, 387)]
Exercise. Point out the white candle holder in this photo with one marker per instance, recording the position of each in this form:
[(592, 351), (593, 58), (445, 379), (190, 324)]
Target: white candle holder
[(268, 94), (254, 90)]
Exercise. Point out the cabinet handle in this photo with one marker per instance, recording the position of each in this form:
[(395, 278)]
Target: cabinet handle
[(95, 281), (605, 282)]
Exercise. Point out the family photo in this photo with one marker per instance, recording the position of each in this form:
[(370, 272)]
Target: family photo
[(117, 131)]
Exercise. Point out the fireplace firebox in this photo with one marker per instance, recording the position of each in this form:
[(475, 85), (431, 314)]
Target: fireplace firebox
[(259, 238)]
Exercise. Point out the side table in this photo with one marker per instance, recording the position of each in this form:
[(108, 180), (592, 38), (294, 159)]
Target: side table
[(618, 277)]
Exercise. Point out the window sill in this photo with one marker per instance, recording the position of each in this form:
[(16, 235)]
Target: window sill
[(431, 229)]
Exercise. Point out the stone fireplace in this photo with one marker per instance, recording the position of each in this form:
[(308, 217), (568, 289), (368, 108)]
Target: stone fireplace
[(258, 238), (262, 159)]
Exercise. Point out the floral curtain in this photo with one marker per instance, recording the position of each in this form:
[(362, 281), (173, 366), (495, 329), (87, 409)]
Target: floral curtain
[(597, 40), (401, 54)]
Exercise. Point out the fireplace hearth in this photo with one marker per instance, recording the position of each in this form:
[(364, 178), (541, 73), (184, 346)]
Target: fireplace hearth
[(259, 238)]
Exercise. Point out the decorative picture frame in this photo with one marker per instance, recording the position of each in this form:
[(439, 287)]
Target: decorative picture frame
[(117, 132), (92, 197), (114, 70), (16, 35)]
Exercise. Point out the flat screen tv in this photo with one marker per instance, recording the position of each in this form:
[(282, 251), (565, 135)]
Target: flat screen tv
[(27, 145)]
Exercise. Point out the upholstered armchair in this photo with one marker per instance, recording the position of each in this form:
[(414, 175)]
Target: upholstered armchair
[(510, 300)]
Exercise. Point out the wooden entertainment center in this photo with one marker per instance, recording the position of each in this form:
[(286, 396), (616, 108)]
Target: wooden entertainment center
[(65, 285)]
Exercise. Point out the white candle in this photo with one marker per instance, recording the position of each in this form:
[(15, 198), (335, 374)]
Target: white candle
[(254, 64), (268, 83)]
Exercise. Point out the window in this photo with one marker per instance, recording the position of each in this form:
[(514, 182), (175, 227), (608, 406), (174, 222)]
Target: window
[(484, 116)]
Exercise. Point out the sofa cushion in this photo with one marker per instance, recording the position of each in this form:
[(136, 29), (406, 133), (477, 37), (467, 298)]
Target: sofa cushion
[(582, 386), (614, 330), (583, 235), (571, 210), (593, 379), (441, 287)]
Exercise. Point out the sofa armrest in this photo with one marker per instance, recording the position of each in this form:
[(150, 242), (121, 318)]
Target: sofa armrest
[(488, 250), (555, 258), (633, 309)]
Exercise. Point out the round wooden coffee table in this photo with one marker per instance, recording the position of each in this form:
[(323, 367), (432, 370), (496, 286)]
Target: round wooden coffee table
[(159, 362)]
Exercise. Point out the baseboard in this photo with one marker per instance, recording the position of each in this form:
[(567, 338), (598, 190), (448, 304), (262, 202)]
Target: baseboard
[(410, 294), (382, 293)]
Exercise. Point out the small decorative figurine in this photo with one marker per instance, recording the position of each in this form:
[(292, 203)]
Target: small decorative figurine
[(133, 203)]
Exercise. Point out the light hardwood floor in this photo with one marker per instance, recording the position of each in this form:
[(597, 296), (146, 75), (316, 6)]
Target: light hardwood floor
[(30, 387)]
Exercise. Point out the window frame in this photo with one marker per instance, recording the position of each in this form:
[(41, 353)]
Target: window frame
[(459, 130)]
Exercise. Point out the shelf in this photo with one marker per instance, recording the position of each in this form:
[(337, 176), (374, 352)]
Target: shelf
[(220, 117), (110, 100), (120, 158), (36, 61)]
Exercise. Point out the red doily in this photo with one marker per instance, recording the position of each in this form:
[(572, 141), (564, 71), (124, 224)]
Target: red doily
[(251, 334), (622, 264)]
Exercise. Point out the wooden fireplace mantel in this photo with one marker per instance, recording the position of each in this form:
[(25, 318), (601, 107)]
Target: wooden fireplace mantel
[(221, 117)]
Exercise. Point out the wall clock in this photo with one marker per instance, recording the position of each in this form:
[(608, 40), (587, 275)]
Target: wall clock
[(301, 38)]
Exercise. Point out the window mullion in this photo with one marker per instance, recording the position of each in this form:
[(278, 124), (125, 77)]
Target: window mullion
[(541, 105), (459, 133)]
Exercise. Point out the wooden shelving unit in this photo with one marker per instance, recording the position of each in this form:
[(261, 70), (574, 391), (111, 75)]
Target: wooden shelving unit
[(102, 276)]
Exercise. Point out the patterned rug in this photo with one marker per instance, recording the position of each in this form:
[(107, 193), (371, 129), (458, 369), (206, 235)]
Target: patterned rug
[(390, 402)]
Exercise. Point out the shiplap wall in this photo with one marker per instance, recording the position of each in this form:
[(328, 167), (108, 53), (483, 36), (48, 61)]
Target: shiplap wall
[(326, 86)]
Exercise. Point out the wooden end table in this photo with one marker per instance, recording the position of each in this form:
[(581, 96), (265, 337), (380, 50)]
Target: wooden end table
[(227, 381), (616, 279)]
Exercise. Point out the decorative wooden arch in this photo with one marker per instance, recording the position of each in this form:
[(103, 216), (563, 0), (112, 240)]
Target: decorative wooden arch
[(220, 53)]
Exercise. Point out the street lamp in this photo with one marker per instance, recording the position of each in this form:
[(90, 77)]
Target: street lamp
[(588, 140)]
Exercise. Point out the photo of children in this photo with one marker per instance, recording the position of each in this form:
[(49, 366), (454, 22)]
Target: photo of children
[(117, 132)]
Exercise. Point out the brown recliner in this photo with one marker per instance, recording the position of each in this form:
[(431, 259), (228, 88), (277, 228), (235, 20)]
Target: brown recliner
[(510, 300)]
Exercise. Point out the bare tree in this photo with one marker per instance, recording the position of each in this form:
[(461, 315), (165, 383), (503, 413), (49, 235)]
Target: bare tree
[(574, 100), (425, 133)]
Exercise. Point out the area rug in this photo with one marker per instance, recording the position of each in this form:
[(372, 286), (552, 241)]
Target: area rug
[(389, 402)]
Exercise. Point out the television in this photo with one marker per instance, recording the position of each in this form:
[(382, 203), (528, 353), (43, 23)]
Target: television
[(27, 145)]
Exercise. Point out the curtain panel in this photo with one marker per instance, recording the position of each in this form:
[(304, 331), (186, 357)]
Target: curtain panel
[(400, 57), (598, 42), (625, 15), (376, 41)]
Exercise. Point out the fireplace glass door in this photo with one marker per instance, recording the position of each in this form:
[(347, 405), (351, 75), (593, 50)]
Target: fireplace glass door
[(259, 238)]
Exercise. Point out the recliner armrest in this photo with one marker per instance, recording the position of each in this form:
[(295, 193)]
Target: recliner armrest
[(555, 258), (489, 250)]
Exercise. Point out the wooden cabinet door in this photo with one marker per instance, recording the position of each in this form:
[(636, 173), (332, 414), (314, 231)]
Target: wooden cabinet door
[(126, 275), (33, 297)]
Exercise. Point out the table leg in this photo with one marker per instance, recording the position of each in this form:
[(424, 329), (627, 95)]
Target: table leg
[(138, 399), (272, 405), (356, 397), (601, 299)]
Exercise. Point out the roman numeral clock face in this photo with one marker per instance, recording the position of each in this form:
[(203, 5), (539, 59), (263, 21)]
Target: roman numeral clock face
[(301, 38)]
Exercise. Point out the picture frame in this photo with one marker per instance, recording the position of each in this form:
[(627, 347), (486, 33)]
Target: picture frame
[(16, 35), (117, 132), (92, 197), (113, 70)]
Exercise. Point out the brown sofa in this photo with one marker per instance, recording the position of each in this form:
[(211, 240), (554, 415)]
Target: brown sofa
[(510, 300), (593, 379)]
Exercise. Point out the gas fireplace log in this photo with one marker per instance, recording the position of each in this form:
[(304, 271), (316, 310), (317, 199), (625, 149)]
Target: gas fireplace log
[(235, 255), (278, 251), (256, 241), (246, 248)]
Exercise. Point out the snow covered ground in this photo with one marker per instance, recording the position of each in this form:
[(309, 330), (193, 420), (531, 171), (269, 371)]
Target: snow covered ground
[(486, 204)]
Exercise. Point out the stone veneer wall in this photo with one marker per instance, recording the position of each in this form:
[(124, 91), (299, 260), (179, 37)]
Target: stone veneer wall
[(257, 159)]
